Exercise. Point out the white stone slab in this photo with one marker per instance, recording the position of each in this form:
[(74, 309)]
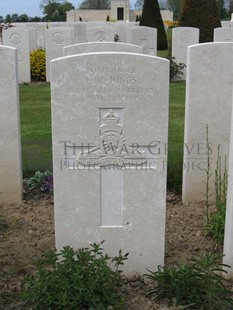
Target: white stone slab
[(10, 143), (19, 38), (182, 37), (55, 40), (208, 102), (92, 47), (145, 37), (223, 35), (115, 189)]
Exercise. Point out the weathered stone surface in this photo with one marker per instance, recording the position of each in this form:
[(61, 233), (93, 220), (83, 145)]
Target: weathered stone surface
[(110, 124), (10, 145), (208, 102)]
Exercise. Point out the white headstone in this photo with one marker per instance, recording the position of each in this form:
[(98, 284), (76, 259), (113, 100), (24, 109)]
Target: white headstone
[(80, 32), (92, 47), (100, 33), (223, 35), (208, 102), (182, 37), (228, 235), (10, 143), (145, 37), (110, 122), (55, 40), (32, 38), (19, 38), (40, 29), (226, 23)]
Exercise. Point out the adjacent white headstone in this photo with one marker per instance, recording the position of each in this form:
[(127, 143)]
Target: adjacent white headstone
[(228, 245), (55, 40), (101, 47), (145, 37), (19, 38), (223, 35), (110, 123), (10, 143), (208, 102), (182, 37)]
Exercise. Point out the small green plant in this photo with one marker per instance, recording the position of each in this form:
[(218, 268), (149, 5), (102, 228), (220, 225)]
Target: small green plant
[(208, 193), (199, 284), (176, 69), (81, 279), (216, 224), (41, 180), (215, 221), (38, 66)]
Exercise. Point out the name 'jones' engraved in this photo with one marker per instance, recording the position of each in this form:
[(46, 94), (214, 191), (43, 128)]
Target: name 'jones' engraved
[(112, 148)]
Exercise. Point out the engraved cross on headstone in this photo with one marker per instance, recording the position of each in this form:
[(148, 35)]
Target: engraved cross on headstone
[(111, 156)]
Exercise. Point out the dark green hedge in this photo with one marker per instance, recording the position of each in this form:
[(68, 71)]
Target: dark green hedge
[(151, 17), (202, 14)]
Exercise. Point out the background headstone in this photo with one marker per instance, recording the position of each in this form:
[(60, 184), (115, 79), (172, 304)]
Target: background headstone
[(98, 33), (19, 38), (145, 37), (92, 47), (113, 102), (55, 40), (10, 143), (208, 102), (223, 34), (182, 37)]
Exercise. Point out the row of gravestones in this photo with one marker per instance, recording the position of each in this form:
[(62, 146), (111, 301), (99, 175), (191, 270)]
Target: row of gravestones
[(109, 126), (56, 38)]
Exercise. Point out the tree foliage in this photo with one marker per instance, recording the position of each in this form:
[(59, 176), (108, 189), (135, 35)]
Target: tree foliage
[(201, 14), (174, 5), (55, 10), (95, 5), (151, 17), (138, 4)]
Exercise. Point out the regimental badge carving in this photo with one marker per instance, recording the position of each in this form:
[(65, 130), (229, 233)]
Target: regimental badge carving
[(185, 36), (58, 38), (15, 39), (101, 36), (112, 148)]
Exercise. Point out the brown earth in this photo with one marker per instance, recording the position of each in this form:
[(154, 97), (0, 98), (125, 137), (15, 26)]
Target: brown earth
[(27, 231)]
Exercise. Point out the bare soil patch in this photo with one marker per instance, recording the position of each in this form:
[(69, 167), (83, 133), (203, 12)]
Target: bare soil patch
[(27, 231)]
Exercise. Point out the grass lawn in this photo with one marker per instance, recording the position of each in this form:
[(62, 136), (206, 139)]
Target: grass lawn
[(35, 112)]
